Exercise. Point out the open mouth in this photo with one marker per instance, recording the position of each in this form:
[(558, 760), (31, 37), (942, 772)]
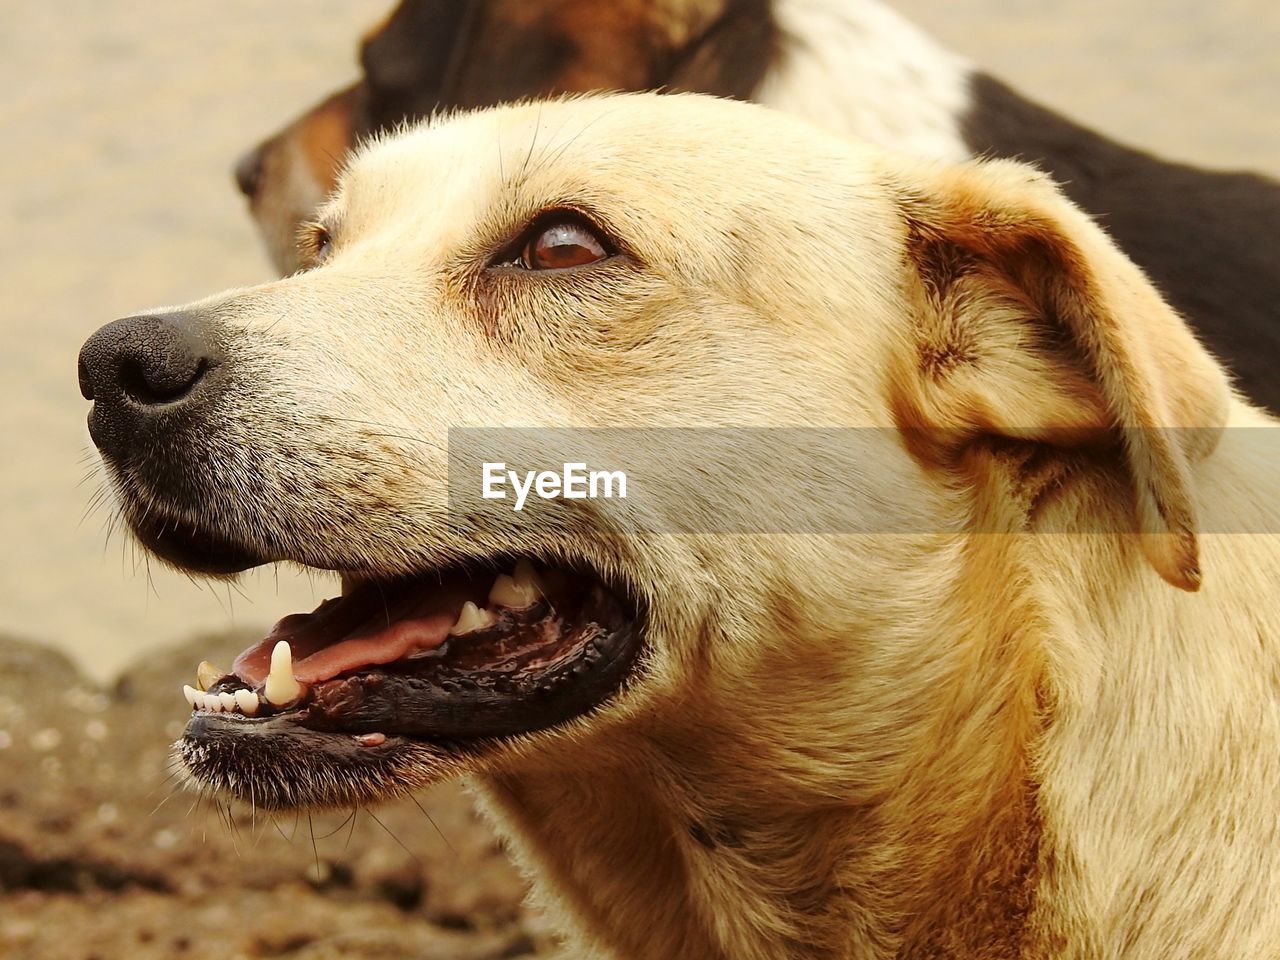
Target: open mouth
[(445, 664)]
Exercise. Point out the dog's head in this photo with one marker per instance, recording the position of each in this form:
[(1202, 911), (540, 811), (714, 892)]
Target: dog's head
[(635, 262), (431, 55)]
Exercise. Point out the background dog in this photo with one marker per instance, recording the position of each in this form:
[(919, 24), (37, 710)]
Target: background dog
[(977, 736), (1205, 238)]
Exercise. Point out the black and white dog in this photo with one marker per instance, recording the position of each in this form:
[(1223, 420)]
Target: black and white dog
[(1207, 238)]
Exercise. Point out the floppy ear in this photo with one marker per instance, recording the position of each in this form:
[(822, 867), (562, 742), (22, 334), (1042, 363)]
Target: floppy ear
[(409, 60), (728, 52), (1029, 324)]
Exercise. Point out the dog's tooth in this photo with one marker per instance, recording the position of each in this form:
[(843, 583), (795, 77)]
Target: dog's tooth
[(281, 688), (527, 580), (212, 703), (193, 695), (506, 592), (207, 675), (472, 618), (228, 701), (247, 701)]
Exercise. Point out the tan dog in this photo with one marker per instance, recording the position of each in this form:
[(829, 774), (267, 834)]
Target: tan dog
[(970, 736)]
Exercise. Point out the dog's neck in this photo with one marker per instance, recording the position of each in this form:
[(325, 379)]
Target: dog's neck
[(895, 821), (860, 68)]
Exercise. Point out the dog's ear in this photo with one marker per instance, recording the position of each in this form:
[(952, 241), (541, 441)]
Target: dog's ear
[(728, 52), (1028, 323), (407, 60)]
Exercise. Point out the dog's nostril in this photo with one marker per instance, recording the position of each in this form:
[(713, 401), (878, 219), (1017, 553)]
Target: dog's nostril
[(248, 171), (150, 385), (86, 379)]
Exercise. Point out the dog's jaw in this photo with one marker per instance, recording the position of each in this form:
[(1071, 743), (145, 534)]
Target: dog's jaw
[(374, 692)]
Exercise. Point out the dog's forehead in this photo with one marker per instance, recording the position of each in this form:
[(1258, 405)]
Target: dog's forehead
[(645, 152), (525, 146)]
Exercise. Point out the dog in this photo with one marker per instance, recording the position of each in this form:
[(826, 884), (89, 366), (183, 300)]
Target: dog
[(1204, 237), (1029, 712)]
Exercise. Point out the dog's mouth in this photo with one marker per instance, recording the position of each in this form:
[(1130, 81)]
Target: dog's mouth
[(335, 705)]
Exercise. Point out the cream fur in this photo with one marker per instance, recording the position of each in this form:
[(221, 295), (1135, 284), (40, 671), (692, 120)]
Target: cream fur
[(1013, 744)]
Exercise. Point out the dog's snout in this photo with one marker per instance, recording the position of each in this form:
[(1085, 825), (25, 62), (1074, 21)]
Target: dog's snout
[(139, 368), (248, 171)]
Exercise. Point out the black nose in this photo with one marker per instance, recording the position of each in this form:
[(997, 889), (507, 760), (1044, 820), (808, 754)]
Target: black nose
[(143, 371), (248, 171)]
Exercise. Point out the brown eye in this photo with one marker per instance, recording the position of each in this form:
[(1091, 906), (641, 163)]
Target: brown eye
[(323, 245), (567, 242), (317, 244)]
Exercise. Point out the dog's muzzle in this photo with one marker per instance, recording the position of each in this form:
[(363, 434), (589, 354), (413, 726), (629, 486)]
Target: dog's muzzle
[(157, 382)]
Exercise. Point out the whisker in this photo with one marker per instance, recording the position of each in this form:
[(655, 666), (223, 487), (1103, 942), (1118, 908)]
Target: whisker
[(393, 836), (339, 827), (315, 851), (280, 830), (352, 832), (431, 820)]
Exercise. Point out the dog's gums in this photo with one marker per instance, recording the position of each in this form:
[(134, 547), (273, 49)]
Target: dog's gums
[(447, 660)]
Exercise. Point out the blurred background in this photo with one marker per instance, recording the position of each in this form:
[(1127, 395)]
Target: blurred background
[(120, 123)]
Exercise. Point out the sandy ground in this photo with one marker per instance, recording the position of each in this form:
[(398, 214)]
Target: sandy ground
[(102, 858), (120, 122)]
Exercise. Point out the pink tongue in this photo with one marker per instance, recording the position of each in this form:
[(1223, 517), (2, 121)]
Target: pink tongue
[(373, 625)]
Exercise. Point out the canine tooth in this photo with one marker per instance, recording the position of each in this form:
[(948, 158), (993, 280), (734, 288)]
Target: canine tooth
[(247, 701), (281, 687), (228, 701), (526, 579), (192, 694), (212, 703), (207, 675), (506, 592), (472, 618)]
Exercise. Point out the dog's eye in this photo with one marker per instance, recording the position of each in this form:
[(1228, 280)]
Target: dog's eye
[(322, 244), (566, 241), (316, 244)]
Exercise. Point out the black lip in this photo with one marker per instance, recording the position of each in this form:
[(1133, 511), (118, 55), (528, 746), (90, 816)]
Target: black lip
[(274, 763)]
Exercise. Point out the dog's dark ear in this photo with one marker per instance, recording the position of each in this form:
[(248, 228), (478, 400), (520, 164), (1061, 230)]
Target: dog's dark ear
[(729, 52), (1028, 323), (407, 60)]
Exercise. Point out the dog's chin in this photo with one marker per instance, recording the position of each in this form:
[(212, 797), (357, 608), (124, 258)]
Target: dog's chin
[(192, 550), (406, 680)]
